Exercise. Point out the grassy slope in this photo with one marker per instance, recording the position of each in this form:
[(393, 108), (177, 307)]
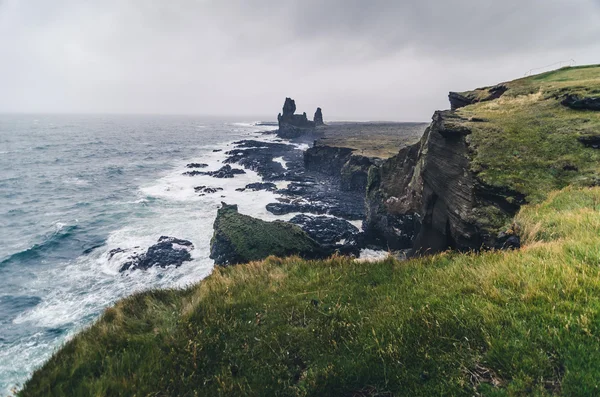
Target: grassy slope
[(529, 140), (498, 323)]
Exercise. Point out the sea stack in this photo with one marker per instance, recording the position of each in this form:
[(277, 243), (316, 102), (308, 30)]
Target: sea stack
[(318, 117), (293, 125)]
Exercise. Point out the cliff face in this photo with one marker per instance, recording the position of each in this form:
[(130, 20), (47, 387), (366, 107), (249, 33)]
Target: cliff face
[(501, 147), (427, 198)]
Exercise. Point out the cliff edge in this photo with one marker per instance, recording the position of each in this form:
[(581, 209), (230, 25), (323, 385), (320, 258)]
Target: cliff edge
[(476, 165)]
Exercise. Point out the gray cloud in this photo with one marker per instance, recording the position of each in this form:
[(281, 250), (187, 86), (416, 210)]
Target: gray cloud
[(377, 59)]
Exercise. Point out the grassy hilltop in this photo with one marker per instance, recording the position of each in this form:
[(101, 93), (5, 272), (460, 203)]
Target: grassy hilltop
[(509, 323), (527, 141)]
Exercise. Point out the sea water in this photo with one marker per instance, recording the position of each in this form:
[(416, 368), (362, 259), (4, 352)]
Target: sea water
[(72, 188)]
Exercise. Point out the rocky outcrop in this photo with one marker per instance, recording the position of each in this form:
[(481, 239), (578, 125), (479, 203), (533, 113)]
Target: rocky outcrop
[(428, 198), (581, 103), (327, 160), (293, 125), (223, 172), (169, 251), (327, 230), (459, 100), (349, 169), (240, 238)]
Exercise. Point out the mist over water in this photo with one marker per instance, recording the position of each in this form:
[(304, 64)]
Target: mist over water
[(74, 187)]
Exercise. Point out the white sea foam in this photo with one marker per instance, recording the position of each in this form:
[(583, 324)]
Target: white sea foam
[(369, 255), (76, 291), (281, 161)]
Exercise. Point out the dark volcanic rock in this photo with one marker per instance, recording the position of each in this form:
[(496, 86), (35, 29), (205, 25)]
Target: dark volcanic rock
[(318, 119), (259, 186), (259, 156), (347, 209), (325, 229), (169, 251), (578, 103), (293, 125), (207, 190), (592, 141), (458, 100), (326, 159), (429, 196), (240, 238), (197, 165), (223, 172)]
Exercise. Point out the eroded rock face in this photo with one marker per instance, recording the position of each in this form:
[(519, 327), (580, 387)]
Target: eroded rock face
[(240, 239), (168, 251), (428, 198), (293, 125)]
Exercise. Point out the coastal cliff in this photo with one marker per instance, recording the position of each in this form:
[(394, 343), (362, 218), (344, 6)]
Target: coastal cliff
[(476, 165), (521, 168)]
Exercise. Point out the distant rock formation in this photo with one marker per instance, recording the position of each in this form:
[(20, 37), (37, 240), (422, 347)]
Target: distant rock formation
[(293, 125), (318, 119)]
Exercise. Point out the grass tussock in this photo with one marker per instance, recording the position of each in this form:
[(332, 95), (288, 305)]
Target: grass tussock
[(512, 323)]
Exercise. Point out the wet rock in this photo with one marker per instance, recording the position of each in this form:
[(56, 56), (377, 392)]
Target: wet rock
[(325, 229), (581, 103), (193, 173), (207, 190), (259, 157), (224, 172), (268, 186), (168, 251), (197, 165)]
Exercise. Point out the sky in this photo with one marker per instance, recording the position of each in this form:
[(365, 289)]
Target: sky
[(357, 59)]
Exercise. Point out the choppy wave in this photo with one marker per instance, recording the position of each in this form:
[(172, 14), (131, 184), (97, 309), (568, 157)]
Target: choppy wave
[(51, 241)]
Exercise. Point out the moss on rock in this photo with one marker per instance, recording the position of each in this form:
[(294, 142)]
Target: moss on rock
[(240, 238)]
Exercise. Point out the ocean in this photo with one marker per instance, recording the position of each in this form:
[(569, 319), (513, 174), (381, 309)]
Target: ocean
[(72, 188)]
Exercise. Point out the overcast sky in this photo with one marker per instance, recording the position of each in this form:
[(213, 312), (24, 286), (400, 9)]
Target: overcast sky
[(357, 59)]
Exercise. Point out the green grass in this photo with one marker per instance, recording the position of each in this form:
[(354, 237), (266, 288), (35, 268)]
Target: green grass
[(513, 323), (528, 141)]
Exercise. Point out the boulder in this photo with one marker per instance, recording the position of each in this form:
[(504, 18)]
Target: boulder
[(169, 251), (240, 238)]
